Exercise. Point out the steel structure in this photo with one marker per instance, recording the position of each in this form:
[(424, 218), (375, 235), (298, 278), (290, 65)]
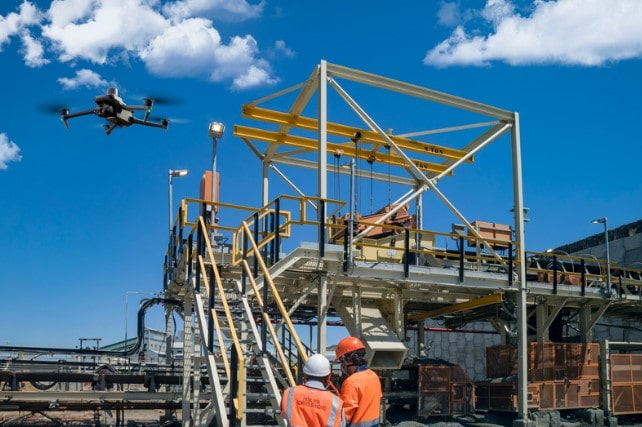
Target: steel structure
[(245, 281)]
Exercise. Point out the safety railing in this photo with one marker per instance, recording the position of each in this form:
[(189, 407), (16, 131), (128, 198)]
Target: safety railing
[(256, 241), (583, 271), (288, 359), (199, 261), (416, 247), (274, 223)]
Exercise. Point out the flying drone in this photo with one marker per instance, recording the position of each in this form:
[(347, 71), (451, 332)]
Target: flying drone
[(112, 108)]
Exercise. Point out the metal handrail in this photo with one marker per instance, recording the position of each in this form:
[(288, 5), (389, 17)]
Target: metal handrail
[(282, 310), (194, 256)]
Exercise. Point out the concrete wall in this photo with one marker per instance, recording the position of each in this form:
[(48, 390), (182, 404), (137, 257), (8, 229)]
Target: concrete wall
[(626, 252)]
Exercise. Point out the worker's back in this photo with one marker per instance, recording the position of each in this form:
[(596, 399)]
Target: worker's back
[(309, 406)]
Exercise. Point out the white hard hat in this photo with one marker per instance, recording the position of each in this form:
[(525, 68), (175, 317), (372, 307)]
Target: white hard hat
[(317, 366)]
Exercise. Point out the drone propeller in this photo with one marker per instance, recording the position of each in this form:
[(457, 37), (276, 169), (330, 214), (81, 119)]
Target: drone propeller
[(52, 108), (148, 104), (174, 120)]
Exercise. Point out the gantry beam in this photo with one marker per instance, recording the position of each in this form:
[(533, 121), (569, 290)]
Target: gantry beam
[(349, 132), (332, 148), (455, 308)]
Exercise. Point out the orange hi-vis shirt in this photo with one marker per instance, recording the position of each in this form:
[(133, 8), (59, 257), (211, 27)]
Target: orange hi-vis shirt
[(311, 405), (361, 394)]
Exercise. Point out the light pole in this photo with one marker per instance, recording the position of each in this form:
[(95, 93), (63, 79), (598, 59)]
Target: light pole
[(171, 174), (216, 132), (608, 255)]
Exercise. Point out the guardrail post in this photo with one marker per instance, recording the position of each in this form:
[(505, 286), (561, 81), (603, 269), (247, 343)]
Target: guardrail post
[(510, 264), (345, 251), (264, 326), (188, 256), (406, 253), (210, 320), (255, 265), (277, 229), (270, 259), (583, 278), (554, 275), (244, 272), (234, 381), (461, 259)]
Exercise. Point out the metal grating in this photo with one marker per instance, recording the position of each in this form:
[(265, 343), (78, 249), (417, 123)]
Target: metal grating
[(444, 391), (626, 383)]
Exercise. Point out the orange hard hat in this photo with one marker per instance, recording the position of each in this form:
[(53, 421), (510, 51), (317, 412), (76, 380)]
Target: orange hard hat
[(348, 345)]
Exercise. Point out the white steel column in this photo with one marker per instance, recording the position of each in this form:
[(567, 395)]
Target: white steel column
[(323, 134), (522, 331), (322, 332), (265, 196), (356, 309)]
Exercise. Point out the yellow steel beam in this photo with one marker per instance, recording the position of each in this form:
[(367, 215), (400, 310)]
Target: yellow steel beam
[(337, 129), (455, 308), (332, 148)]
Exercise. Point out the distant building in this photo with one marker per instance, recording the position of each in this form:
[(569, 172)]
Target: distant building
[(625, 245), (152, 349)]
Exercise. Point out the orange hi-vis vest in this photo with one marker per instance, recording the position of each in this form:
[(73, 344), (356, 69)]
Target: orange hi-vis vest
[(309, 406), (361, 394)]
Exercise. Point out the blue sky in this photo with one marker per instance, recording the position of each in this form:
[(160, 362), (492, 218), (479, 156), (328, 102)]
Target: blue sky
[(84, 215)]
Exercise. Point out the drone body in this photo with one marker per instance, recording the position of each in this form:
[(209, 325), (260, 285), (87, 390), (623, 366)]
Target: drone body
[(112, 108)]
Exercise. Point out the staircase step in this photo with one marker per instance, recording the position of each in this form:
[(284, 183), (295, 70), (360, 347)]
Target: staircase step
[(258, 396), (267, 410)]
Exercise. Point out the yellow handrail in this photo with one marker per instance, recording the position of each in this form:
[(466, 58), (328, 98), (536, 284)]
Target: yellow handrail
[(228, 316), (266, 319), (277, 299)]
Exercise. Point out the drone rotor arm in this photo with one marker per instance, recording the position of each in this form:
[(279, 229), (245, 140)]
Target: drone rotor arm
[(65, 115), (162, 125)]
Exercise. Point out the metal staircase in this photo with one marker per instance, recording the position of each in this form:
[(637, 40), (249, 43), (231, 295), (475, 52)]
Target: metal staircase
[(235, 363)]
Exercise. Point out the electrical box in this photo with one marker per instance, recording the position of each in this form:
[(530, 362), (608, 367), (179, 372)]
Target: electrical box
[(206, 188), (498, 235)]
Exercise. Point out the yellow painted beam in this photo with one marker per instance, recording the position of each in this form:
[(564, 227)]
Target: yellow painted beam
[(337, 129), (455, 308), (339, 149)]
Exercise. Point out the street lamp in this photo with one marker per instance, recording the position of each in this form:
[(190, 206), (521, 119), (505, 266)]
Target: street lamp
[(608, 255), (216, 132), (171, 174)]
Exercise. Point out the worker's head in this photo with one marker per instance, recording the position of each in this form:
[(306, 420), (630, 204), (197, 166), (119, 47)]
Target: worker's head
[(317, 367), (351, 353)]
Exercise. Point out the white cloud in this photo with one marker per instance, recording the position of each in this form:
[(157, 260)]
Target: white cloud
[(568, 32), (179, 40), (497, 10), (15, 23), (229, 10), (9, 151), (448, 14), (193, 48), (254, 76), (97, 28), (33, 51), (84, 77), (281, 48)]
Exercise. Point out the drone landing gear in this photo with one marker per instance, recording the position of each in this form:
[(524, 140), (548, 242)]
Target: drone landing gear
[(109, 128)]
